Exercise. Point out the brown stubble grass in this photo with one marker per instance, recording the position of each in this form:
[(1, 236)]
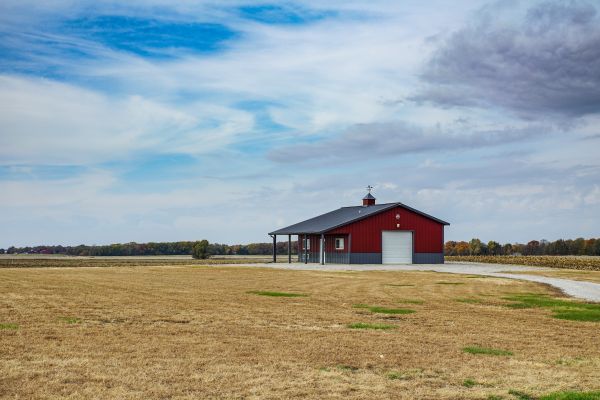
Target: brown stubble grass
[(60, 261), (195, 332)]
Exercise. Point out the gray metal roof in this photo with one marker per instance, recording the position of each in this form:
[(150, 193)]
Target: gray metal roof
[(342, 216), (369, 196)]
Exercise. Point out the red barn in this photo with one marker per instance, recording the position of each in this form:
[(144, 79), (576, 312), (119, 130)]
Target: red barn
[(391, 233)]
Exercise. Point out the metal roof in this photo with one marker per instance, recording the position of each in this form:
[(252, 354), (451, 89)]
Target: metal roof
[(343, 216), (369, 196)]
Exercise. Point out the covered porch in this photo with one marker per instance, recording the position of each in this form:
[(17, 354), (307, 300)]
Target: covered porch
[(318, 248)]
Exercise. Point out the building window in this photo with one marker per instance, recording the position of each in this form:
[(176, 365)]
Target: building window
[(307, 241), (339, 243)]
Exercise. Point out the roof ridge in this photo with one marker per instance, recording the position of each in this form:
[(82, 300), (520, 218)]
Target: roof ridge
[(361, 206), (344, 216)]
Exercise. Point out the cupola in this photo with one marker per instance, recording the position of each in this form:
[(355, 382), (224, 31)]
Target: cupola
[(369, 200)]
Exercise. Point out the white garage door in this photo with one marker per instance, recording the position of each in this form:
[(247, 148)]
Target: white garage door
[(397, 247)]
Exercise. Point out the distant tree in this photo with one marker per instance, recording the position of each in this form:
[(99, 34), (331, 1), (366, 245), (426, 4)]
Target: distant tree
[(475, 247), (597, 248), (519, 249), (578, 248), (589, 247), (559, 247), (532, 248), (543, 246), (450, 248), (507, 249), (216, 248), (200, 250), (260, 248), (462, 248), (570, 247), (2, 251), (494, 248)]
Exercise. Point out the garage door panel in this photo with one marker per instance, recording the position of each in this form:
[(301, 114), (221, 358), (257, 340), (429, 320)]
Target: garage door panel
[(397, 247)]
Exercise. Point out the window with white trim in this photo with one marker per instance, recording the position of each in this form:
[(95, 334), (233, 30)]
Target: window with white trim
[(339, 243), (307, 241)]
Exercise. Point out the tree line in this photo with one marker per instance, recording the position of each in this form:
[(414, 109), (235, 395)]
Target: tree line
[(154, 249), (560, 247), (579, 246)]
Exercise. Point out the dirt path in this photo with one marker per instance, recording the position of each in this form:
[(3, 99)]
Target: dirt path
[(580, 289)]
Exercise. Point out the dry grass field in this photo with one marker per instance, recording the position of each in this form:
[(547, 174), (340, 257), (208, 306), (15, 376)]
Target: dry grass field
[(197, 332), (58, 261)]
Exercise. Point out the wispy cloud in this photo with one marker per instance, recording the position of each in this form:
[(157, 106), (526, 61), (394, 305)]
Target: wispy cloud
[(47, 122), (396, 139)]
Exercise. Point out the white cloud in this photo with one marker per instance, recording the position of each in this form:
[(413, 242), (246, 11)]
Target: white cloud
[(47, 122), (319, 76)]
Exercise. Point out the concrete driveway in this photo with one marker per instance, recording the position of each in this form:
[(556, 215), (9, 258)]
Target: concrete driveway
[(583, 290)]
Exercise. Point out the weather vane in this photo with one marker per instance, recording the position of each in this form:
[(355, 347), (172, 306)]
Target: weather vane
[(369, 188)]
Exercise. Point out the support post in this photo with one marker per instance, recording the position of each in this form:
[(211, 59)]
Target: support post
[(349, 247), (322, 249), (305, 249), (274, 248), (443, 247), (289, 249)]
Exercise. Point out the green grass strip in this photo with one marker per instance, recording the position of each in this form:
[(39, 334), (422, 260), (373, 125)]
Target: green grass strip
[(520, 395), (398, 311), (9, 327), (569, 395), (487, 351), (395, 375), (469, 301), (384, 310), (363, 325), (411, 301), (469, 383), (578, 315), (70, 320), (347, 368), (276, 294), (562, 309)]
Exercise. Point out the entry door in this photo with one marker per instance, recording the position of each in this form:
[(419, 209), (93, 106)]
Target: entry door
[(397, 247)]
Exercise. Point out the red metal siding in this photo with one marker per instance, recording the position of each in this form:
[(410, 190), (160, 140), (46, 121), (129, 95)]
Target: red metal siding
[(329, 243), (314, 242), (366, 234)]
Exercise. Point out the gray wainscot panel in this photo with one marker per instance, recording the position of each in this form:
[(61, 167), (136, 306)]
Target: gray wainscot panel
[(365, 258), (428, 258)]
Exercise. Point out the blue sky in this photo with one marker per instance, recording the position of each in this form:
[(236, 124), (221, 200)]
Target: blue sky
[(164, 121)]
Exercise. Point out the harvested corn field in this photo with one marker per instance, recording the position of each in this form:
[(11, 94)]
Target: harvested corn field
[(591, 263)]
